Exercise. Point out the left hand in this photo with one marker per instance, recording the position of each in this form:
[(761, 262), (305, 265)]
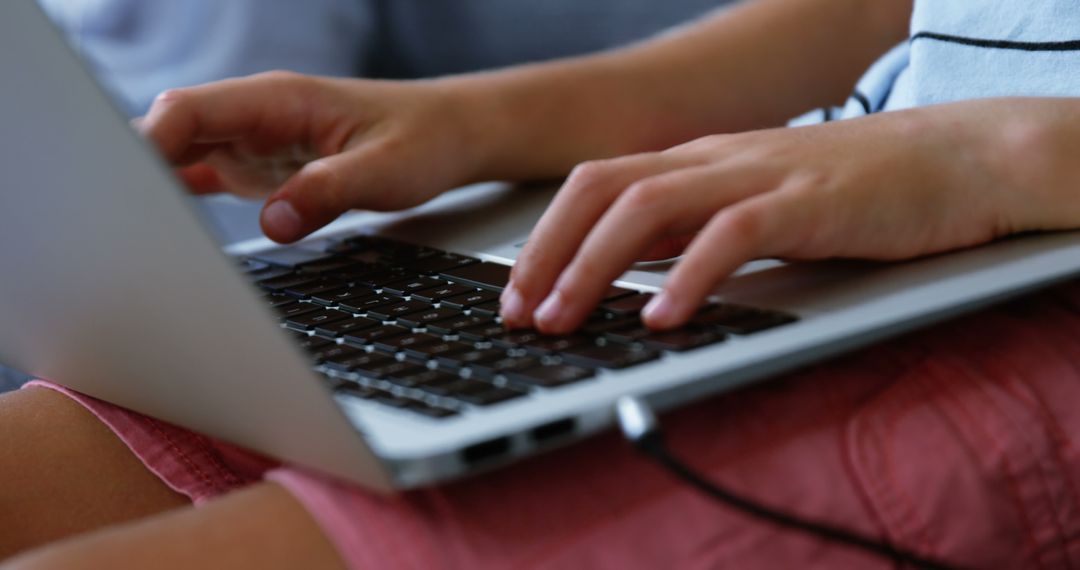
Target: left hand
[(886, 187)]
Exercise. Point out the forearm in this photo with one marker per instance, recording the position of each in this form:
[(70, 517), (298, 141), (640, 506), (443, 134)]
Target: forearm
[(749, 67)]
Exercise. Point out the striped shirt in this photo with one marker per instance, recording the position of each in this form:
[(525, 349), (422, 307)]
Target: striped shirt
[(970, 49)]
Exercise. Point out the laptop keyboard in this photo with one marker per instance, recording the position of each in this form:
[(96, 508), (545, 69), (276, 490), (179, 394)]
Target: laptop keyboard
[(417, 329)]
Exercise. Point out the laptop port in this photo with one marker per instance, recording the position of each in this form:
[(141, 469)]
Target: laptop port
[(486, 451), (553, 430)]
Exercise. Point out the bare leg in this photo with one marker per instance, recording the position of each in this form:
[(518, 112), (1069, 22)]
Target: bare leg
[(63, 473), (261, 527)]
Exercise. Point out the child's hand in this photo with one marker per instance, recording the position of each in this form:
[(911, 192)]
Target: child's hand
[(887, 187), (317, 147)]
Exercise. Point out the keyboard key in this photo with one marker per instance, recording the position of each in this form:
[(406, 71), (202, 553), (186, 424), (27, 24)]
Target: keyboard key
[(471, 299), (504, 365), (426, 377), (341, 328), (312, 343), (629, 334), (446, 290), (481, 332), (366, 304), (740, 320), (629, 305), (401, 342), (283, 282), (610, 356), (359, 361), (466, 359), (490, 309), (484, 275), (328, 265), (456, 388), (294, 310), (452, 326), (278, 300), (515, 338), (289, 257), (550, 376), (359, 391), (369, 336), (336, 353), (400, 309), (682, 339), (381, 280), (425, 318), (488, 397), (309, 321), (435, 350), (598, 325), (307, 290), (342, 295), (356, 273), (390, 369), (409, 286), (440, 263), (544, 345)]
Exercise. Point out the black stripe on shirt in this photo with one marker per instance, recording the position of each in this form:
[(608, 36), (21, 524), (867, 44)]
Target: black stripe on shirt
[(1072, 45), (863, 100)]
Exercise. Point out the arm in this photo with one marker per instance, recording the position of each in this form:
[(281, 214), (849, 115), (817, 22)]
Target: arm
[(752, 66), (888, 186), (319, 147)]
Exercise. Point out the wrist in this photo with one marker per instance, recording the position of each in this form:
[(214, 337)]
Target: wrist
[(539, 121)]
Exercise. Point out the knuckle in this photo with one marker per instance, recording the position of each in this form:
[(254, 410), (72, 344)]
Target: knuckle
[(647, 195), (172, 97), (745, 224), (278, 76), (323, 185), (589, 174)]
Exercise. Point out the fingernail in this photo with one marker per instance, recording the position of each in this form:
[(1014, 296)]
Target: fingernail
[(551, 311), (512, 305), (283, 219), (660, 310)]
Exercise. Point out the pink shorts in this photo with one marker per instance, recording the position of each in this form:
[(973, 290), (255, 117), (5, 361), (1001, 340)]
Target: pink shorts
[(960, 442)]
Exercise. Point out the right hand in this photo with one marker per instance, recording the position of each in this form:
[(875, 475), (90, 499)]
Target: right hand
[(317, 147)]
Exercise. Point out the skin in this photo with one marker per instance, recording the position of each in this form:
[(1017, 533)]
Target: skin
[(121, 515), (888, 187), (885, 187)]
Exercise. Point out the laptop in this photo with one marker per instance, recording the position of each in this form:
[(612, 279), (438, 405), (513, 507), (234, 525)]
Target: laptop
[(372, 351)]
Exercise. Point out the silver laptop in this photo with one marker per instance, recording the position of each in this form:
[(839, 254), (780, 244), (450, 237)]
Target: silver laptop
[(372, 351)]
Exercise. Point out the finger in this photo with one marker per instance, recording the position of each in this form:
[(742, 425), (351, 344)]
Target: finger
[(361, 178), (671, 204), (763, 226), (583, 199), (201, 178), (272, 108)]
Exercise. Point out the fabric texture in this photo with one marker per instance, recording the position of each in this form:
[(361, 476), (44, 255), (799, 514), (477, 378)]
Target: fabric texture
[(960, 441), (970, 50)]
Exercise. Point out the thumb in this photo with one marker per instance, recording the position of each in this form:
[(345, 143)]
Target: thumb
[(323, 190)]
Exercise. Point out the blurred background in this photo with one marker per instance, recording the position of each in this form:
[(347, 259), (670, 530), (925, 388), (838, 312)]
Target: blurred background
[(139, 48)]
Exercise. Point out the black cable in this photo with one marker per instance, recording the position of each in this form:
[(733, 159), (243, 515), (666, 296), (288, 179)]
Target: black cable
[(639, 425)]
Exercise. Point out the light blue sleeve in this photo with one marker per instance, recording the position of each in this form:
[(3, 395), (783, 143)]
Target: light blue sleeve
[(153, 45)]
